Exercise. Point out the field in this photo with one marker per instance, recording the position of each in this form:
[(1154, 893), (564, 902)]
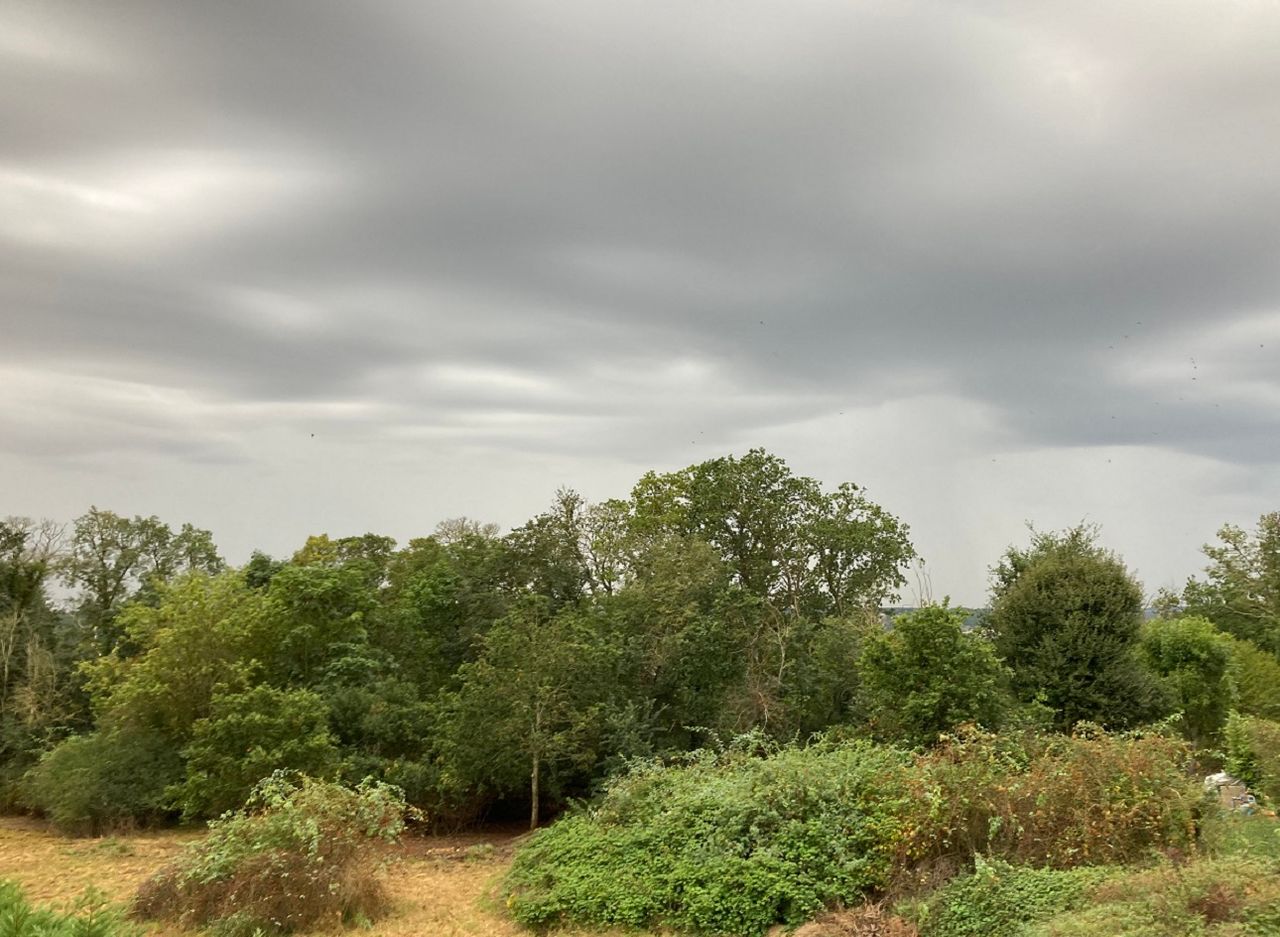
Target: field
[(439, 883)]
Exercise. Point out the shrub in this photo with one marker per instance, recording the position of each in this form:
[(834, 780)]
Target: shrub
[(1227, 896), (246, 737), (733, 843), (1253, 754), (1057, 801), (90, 784), (998, 899), (298, 854), (725, 843), (91, 917), (927, 676)]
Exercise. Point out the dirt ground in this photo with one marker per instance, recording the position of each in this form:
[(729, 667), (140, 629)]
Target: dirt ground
[(440, 884)]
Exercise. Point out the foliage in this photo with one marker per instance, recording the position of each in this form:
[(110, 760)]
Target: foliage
[(1193, 660), (299, 854), (91, 917), (1220, 897), (90, 784), (724, 843), (247, 736), (1253, 754), (1056, 801), (537, 705), (926, 676), (1241, 591), (1066, 617), (733, 842), (113, 558), (997, 899), (1255, 675)]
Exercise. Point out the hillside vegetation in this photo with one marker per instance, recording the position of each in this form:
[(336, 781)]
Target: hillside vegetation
[(700, 677)]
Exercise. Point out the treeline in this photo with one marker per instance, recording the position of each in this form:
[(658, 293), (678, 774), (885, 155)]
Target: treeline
[(489, 674)]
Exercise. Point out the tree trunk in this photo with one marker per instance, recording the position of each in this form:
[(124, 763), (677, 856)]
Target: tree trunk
[(533, 793)]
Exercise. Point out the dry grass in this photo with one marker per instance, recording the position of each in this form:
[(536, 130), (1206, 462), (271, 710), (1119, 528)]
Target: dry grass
[(438, 886)]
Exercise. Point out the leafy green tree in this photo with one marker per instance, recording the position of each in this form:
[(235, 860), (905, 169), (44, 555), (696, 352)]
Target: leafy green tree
[(1066, 617), (535, 709), (313, 614), (1255, 676), (1193, 661), (685, 629), (1241, 592), (112, 559), (925, 676), (248, 735), (203, 633)]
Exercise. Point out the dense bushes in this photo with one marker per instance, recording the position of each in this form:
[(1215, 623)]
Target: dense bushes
[(729, 843), (998, 899), (111, 779), (1057, 801), (91, 918), (1253, 754), (299, 854)]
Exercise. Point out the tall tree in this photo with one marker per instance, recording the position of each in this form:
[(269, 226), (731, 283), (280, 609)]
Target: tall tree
[(113, 558), (1066, 616), (1241, 591)]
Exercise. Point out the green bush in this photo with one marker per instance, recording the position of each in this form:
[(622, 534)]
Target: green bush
[(246, 737), (91, 917), (726, 843), (998, 899), (1225, 897), (733, 843), (90, 784), (1253, 754), (1057, 801), (298, 854)]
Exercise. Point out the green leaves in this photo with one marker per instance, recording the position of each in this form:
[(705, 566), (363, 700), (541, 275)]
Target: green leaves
[(927, 676)]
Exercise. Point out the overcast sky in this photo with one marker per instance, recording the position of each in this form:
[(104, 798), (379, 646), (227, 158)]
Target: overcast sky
[(291, 267)]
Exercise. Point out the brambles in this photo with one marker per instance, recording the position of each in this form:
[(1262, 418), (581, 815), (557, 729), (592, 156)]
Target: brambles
[(1055, 801), (299, 854), (733, 843)]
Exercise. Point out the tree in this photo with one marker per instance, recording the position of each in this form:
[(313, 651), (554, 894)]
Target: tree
[(1066, 616), (247, 735), (204, 632), (1255, 676), (113, 558), (1193, 661), (926, 676), (1241, 594), (535, 708)]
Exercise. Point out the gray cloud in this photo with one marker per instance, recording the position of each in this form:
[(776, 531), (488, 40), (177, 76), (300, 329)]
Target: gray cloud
[(636, 231)]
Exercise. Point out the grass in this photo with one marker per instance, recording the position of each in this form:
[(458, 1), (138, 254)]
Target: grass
[(440, 885)]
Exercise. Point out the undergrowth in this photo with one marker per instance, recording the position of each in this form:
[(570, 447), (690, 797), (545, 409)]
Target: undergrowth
[(734, 842), (90, 917), (299, 854)]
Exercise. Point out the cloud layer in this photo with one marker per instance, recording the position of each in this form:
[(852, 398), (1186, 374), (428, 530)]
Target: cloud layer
[(514, 245)]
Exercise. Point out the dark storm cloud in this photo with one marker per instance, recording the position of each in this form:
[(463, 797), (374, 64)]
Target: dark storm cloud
[(1047, 209)]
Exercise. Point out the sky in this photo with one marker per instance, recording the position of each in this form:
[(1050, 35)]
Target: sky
[(296, 267)]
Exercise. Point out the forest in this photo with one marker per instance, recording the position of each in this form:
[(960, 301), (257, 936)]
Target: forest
[(725, 630)]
